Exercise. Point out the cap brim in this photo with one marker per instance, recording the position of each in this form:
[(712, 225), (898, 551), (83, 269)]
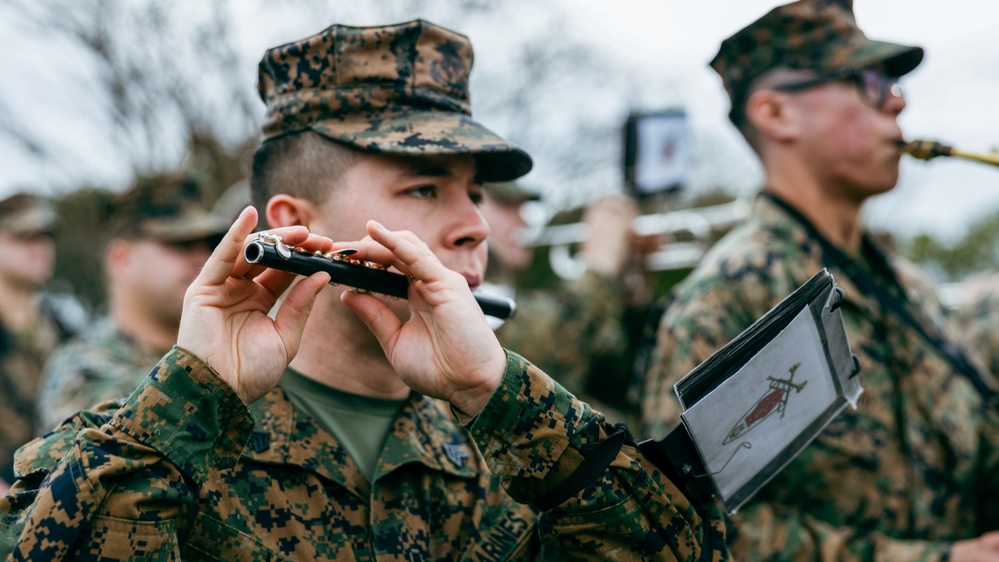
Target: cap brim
[(510, 193), (896, 59), (39, 219), (431, 133), (202, 227)]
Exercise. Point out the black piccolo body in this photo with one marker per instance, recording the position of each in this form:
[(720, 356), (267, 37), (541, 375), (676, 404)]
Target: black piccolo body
[(269, 251)]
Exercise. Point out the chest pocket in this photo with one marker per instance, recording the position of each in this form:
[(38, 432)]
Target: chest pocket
[(211, 539), (110, 538)]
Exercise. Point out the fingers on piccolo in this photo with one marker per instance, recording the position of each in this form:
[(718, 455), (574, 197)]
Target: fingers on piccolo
[(407, 248), (294, 312)]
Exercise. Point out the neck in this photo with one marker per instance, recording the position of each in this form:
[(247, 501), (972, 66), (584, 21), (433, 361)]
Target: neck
[(19, 306), (338, 350), (836, 218), (149, 333)]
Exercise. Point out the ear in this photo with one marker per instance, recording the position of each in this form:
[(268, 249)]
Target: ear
[(116, 257), (286, 210), (773, 114)]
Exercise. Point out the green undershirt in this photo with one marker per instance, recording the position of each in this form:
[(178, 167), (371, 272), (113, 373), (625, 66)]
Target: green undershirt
[(360, 423)]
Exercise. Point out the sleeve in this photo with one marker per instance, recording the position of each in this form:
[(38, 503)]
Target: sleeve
[(128, 489), (539, 438), (989, 467), (587, 312), (771, 532)]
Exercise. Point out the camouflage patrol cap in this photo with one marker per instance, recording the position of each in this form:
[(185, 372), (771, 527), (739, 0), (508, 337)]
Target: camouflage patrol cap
[(819, 35), (24, 213), (398, 89), (510, 192), (166, 208)]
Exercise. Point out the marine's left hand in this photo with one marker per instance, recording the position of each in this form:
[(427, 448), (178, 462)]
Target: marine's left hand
[(445, 349)]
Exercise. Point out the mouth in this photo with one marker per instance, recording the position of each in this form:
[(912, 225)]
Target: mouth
[(474, 281), (900, 145)]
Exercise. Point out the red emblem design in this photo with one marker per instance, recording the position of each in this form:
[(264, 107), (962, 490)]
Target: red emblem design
[(773, 400)]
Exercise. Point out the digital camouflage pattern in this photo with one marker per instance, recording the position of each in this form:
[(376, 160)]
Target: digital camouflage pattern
[(820, 35), (22, 356), (101, 364), (400, 89), (550, 326), (897, 479), (184, 469)]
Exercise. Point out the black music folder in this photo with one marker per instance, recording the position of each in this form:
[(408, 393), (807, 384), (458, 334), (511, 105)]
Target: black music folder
[(754, 404)]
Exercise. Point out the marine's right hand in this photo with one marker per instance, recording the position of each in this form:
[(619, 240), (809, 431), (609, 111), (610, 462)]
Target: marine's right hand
[(983, 549), (225, 321)]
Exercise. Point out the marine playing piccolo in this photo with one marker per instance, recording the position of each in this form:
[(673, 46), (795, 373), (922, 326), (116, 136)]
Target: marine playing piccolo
[(269, 251)]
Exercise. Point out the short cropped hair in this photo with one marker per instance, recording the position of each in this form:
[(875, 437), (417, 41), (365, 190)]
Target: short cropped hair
[(767, 80), (303, 164)]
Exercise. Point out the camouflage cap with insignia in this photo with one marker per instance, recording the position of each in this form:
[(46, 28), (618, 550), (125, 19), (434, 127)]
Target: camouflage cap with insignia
[(167, 208), (397, 89), (24, 213), (819, 35)]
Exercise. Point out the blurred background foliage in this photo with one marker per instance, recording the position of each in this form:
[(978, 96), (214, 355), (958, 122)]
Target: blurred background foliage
[(170, 82)]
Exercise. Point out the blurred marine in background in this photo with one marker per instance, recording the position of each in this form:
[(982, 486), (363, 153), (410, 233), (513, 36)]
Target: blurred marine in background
[(162, 235), (30, 327), (908, 475), (578, 328)]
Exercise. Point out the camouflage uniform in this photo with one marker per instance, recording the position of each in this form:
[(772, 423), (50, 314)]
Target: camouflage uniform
[(575, 331), (978, 318), (899, 478), (183, 468), (102, 364), (905, 474), (22, 354)]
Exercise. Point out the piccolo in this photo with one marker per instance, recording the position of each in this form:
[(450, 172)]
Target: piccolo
[(270, 251)]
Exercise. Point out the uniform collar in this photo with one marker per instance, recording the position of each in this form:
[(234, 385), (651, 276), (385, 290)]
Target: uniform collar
[(792, 227), (421, 432)]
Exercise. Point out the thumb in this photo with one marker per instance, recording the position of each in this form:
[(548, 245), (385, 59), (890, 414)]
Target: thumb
[(382, 322), (294, 312)]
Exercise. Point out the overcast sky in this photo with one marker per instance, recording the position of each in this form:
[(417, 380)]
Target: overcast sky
[(951, 97)]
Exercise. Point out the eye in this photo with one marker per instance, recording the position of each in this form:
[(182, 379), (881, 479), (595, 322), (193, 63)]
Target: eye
[(476, 197), (424, 191)]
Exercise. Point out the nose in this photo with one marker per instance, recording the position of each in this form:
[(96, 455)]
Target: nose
[(895, 100), (469, 229)]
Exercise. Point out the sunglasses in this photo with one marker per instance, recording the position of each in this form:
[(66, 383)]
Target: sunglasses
[(34, 235), (874, 84)]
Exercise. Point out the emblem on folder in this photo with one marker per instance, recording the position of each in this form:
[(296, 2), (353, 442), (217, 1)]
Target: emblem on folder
[(774, 400)]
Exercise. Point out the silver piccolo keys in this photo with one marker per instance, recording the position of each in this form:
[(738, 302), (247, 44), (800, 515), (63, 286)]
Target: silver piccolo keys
[(269, 251)]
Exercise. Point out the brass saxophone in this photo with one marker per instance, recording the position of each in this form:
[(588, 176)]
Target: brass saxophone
[(928, 150)]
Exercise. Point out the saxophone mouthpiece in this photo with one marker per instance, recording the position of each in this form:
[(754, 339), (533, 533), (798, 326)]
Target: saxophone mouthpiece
[(925, 149)]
